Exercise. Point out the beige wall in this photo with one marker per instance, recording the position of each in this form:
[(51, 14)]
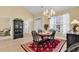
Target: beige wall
[(74, 13), (17, 12), (4, 23)]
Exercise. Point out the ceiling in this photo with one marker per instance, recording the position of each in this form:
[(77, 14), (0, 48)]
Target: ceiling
[(37, 9)]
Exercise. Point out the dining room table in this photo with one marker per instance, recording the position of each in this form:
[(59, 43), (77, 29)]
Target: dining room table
[(44, 35)]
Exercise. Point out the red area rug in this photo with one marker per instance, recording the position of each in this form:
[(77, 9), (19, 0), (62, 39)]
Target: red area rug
[(52, 46)]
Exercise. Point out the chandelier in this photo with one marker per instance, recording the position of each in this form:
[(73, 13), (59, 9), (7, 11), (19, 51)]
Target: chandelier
[(48, 12)]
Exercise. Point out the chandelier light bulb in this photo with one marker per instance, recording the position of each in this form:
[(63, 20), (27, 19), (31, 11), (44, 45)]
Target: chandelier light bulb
[(52, 12), (44, 13), (47, 11), (49, 16)]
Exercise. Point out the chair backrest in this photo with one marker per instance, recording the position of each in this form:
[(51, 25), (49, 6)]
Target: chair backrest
[(53, 33), (72, 39), (35, 36), (39, 31)]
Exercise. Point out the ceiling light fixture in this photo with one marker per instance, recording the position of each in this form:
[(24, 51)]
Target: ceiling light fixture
[(48, 12)]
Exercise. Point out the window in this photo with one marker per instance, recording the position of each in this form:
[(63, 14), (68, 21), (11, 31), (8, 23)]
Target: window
[(37, 24), (60, 23), (55, 23)]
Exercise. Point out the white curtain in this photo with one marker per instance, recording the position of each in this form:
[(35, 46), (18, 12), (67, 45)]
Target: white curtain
[(55, 22), (37, 24), (65, 23)]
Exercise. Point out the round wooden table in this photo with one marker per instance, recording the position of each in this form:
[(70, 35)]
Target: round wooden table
[(44, 35)]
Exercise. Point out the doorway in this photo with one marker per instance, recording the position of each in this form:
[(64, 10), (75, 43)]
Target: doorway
[(5, 28)]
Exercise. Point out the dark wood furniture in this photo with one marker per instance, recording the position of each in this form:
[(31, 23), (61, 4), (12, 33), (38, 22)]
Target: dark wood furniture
[(36, 40), (40, 31), (35, 37), (72, 39), (53, 34), (44, 35), (18, 28), (48, 36)]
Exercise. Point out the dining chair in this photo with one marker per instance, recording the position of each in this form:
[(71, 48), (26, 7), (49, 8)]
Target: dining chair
[(39, 31), (36, 38), (53, 34)]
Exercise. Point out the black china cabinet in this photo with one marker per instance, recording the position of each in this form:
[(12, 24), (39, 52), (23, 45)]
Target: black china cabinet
[(18, 28)]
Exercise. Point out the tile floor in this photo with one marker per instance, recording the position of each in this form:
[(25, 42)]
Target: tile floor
[(10, 45)]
